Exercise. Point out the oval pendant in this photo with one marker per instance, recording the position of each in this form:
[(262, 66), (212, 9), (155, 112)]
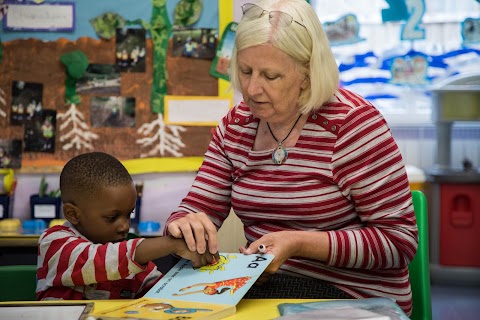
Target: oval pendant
[(279, 155)]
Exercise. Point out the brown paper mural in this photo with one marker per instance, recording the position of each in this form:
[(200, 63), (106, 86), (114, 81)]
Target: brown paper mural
[(122, 125)]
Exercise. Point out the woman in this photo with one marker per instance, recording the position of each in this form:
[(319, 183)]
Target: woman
[(312, 170)]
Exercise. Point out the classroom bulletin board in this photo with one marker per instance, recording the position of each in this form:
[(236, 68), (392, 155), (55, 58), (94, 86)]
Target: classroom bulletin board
[(142, 91)]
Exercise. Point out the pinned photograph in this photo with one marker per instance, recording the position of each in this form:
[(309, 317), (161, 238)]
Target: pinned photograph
[(112, 111), (194, 43), (99, 79), (10, 153), (130, 49), (40, 132), (26, 101)]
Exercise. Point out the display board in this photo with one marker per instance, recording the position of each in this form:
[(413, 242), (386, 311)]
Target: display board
[(63, 97)]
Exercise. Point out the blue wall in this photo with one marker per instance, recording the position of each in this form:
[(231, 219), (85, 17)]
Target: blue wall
[(128, 9)]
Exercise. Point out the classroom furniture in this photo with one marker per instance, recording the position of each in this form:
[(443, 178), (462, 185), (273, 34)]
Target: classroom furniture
[(18, 282), (16, 240), (6, 205), (45, 207), (453, 191), (419, 267), (247, 309)]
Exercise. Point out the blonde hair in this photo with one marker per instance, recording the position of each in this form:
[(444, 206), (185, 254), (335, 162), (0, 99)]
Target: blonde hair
[(308, 47)]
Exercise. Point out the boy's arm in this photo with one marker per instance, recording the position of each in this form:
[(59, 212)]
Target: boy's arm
[(66, 259), (154, 248)]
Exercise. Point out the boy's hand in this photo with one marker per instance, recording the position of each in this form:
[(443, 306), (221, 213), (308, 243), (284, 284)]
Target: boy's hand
[(154, 248), (198, 260)]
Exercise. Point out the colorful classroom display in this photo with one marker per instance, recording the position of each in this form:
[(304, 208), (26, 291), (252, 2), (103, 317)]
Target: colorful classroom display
[(148, 83)]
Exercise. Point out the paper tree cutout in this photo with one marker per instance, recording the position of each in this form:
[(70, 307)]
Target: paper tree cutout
[(164, 138), (3, 103), (79, 134)]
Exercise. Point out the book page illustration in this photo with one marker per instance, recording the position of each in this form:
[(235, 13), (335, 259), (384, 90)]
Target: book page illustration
[(145, 308), (218, 287), (224, 282)]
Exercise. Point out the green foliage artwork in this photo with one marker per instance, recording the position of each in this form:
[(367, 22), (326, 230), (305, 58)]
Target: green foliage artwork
[(187, 12), (106, 24), (76, 62), (160, 28)]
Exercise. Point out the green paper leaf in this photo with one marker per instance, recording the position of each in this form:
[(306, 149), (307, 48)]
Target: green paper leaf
[(105, 25), (187, 12)]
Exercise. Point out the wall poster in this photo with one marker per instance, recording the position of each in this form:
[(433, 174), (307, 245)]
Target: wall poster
[(109, 85)]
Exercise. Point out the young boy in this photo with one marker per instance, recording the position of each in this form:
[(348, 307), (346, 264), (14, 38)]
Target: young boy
[(88, 257)]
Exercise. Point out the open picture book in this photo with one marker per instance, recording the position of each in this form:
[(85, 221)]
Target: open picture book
[(208, 292)]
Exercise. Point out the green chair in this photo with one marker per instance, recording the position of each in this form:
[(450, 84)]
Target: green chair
[(18, 283), (419, 268)]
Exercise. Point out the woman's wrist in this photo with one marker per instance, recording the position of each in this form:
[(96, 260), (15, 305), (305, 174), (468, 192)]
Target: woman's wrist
[(310, 244), (296, 243)]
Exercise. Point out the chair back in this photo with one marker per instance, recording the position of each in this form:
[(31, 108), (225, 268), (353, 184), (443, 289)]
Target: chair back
[(18, 282), (419, 267)]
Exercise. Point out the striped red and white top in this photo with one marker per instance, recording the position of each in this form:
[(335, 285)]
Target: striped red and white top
[(70, 267), (345, 175)]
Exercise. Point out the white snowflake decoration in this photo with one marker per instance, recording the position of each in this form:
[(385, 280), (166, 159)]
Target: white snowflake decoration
[(79, 135), (162, 141)]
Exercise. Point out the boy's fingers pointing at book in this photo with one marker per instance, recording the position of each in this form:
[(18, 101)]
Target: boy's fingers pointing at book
[(212, 258)]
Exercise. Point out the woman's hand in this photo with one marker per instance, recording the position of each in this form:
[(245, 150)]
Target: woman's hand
[(286, 244), (197, 230), (198, 259), (281, 244)]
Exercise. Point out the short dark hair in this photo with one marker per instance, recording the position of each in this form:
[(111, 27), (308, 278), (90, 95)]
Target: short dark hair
[(85, 174)]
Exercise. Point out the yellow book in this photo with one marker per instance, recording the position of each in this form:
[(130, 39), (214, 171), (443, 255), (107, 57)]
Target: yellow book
[(151, 308)]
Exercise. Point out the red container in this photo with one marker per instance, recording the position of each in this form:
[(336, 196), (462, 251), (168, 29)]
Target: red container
[(460, 225)]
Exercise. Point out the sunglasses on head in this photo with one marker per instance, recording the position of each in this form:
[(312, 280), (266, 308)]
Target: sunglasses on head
[(276, 18)]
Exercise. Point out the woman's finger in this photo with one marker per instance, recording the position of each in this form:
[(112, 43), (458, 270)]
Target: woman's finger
[(187, 233), (199, 234), (211, 234), (174, 230)]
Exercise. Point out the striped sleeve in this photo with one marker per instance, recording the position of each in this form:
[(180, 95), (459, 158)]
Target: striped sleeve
[(147, 279), (68, 260), (368, 168)]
